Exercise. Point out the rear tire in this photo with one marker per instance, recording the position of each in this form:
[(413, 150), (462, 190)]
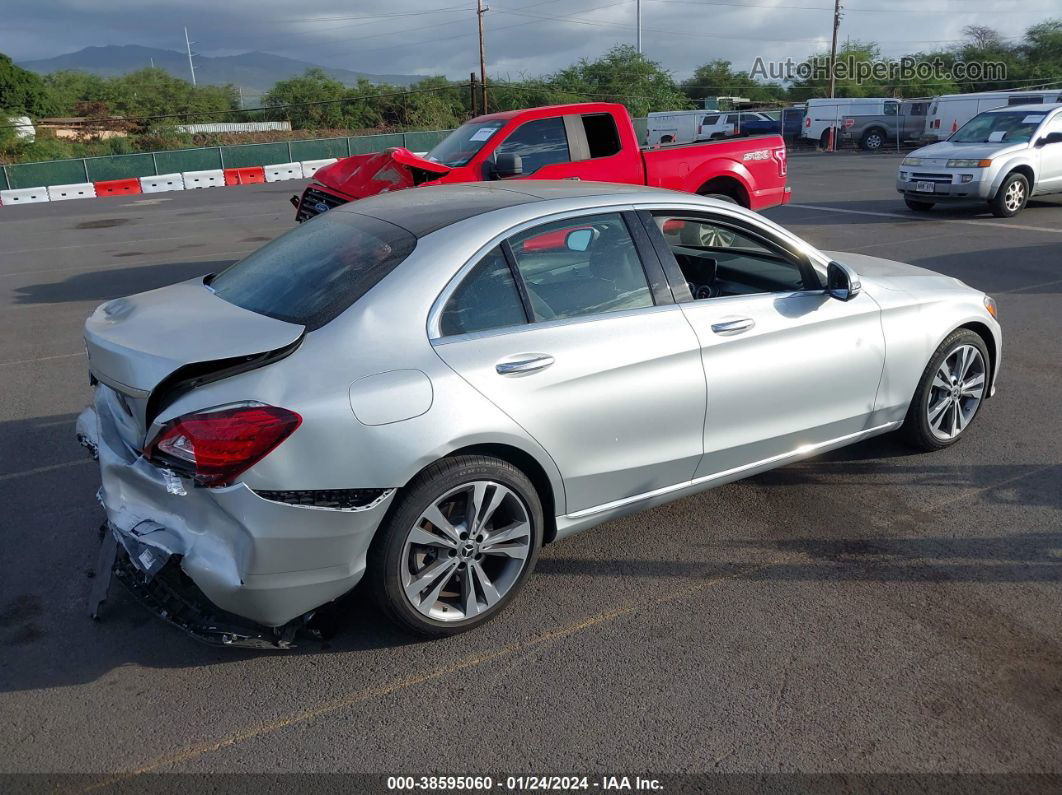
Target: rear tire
[(456, 548), (918, 206), (873, 140), (950, 392), (1011, 197)]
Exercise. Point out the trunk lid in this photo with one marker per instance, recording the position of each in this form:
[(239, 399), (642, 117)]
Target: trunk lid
[(359, 176), (148, 345)]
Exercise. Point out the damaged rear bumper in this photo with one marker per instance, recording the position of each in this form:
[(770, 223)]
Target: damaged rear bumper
[(264, 562)]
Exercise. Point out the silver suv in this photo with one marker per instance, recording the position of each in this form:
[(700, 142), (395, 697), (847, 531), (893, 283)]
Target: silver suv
[(1001, 156)]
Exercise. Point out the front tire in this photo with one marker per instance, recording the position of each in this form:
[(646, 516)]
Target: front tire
[(949, 394), (457, 547), (918, 206), (1011, 197)]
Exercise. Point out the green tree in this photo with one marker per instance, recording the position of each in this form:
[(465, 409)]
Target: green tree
[(718, 79), (317, 96), (622, 75), (23, 91)]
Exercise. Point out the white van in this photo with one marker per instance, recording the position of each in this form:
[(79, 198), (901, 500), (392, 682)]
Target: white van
[(823, 113), (687, 126), (949, 112)]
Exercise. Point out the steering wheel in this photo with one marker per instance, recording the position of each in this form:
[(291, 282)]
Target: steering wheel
[(700, 291)]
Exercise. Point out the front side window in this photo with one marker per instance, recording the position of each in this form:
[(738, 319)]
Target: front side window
[(1000, 127), (718, 260), (312, 273), (487, 299), (538, 143), (581, 266)]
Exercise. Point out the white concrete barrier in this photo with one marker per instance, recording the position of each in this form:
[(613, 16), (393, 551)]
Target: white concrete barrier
[(282, 171), (309, 167), (211, 178), (161, 183), (78, 190), (23, 195)]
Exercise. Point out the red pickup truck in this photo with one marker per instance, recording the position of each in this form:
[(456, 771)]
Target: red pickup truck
[(588, 141)]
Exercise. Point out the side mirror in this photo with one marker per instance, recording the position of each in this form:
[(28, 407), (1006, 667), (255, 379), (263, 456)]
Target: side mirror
[(1050, 138), (842, 282), (508, 165), (579, 239)]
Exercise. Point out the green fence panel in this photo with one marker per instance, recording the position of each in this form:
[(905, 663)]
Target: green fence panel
[(120, 167), (244, 155), (180, 160), (55, 172), (318, 149), (424, 141), (364, 144), (4, 184)]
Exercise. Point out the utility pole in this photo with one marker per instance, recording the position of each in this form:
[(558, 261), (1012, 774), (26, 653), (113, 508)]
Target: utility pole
[(833, 65), (472, 92), (638, 17), (188, 46), (480, 11)]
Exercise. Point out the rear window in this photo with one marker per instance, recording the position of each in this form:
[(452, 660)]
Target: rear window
[(317, 270)]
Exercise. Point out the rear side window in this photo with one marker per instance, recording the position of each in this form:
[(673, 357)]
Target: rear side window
[(486, 299), (602, 137), (317, 270)]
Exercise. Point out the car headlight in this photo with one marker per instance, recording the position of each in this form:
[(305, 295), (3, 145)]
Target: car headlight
[(990, 305), (969, 163), (912, 161)]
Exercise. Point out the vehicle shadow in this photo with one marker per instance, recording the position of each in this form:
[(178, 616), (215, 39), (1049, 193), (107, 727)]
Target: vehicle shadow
[(105, 284)]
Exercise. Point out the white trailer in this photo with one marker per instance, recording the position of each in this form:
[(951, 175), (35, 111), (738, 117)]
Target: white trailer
[(949, 112)]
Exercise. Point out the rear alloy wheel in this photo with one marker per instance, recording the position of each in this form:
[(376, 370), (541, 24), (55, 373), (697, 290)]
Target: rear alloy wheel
[(459, 546), (918, 206), (873, 140), (950, 393), (1011, 197)]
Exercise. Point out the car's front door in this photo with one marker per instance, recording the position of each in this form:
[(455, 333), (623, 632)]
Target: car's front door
[(565, 329), (787, 366), (1049, 178)]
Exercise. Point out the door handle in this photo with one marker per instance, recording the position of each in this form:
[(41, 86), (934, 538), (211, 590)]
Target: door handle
[(733, 326), (527, 363)]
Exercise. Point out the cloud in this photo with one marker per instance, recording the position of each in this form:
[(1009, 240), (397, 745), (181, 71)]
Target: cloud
[(524, 37)]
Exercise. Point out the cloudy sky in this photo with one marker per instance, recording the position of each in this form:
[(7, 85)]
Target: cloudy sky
[(524, 37)]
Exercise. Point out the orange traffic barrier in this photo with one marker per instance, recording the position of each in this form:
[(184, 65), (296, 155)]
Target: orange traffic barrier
[(117, 187), (244, 176)]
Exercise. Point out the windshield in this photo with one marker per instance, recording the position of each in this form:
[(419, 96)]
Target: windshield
[(1009, 127), (460, 146), (314, 272)]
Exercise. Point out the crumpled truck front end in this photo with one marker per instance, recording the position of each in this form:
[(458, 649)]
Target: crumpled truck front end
[(264, 559)]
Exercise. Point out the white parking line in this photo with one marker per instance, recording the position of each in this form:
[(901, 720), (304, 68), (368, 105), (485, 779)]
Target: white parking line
[(41, 470), (41, 359), (903, 217)]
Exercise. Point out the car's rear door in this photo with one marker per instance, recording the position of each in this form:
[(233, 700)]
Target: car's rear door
[(787, 366), (570, 329)]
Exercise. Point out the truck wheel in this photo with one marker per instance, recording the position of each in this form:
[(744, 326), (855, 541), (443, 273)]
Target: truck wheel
[(824, 139), (872, 140), (1011, 197), (917, 206)]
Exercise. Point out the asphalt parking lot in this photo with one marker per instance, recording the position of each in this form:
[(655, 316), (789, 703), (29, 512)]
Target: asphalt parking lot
[(867, 611)]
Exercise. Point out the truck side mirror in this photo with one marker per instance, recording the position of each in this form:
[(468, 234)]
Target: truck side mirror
[(508, 165), (1050, 138)]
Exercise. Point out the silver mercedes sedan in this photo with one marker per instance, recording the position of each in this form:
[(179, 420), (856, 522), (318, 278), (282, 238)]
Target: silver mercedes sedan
[(422, 388)]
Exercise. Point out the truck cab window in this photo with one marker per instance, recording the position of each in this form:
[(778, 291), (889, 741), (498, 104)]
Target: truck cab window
[(602, 137), (538, 143), (891, 108)]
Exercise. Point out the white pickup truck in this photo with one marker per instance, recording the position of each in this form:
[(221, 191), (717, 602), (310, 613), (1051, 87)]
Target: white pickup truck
[(1001, 156)]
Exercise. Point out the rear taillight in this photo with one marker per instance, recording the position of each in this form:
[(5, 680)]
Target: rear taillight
[(780, 158), (807, 122), (215, 447)]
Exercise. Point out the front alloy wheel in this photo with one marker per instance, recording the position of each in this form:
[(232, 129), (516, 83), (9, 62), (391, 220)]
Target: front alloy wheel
[(950, 393), (1011, 197), (457, 546)]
